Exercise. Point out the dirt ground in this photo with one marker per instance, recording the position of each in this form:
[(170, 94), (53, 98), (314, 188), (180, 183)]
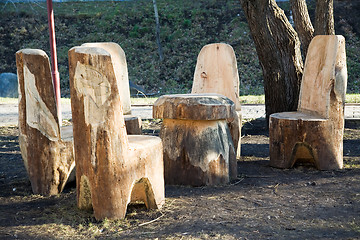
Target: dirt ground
[(263, 203)]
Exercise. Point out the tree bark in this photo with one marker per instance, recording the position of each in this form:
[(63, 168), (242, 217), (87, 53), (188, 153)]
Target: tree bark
[(324, 17), (303, 24), (48, 158), (315, 132), (278, 49)]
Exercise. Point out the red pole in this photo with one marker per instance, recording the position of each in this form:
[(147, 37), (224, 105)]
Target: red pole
[(54, 69)]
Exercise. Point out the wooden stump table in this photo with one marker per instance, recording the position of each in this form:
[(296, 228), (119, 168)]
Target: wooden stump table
[(198, 148)]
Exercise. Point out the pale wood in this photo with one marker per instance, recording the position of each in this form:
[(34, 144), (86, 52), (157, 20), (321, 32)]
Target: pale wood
[(193, 106), (121, 71), (216, 72), (315, 132), (47, 157), (132, 123), (198, 149), (112, 169)]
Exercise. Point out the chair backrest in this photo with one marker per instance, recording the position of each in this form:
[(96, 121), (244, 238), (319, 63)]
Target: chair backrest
[(37, 104), (121, 71), (325, 75), (216, 72), (95, 100), (39, 132)]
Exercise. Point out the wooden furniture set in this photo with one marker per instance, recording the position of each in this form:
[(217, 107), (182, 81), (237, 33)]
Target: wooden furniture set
[(199, 138)]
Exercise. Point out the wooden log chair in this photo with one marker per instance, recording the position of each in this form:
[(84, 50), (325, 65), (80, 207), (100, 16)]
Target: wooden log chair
[(46, 149), (216, 72), (314, 133), (198, 148), (112, 168), (132, 123)]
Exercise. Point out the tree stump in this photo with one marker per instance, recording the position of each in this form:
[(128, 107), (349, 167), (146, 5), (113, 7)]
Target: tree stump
[(198, 148), (47, 157), (315, 133), (216, 72), (132, 123), (112, 169)]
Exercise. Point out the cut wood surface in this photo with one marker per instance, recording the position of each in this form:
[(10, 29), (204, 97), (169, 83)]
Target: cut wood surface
[(314, 133), (216, 72), (206, 106), (198, 148), (112, 169), (48, 158)]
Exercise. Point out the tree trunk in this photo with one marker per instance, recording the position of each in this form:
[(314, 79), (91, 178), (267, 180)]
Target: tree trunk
[(324, 17), (278, 49), (158, 31), (303, 23)]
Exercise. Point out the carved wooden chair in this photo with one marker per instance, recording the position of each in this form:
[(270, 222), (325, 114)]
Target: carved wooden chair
[(216, 72), (315, 132), (132, 123), (112, 168), (46, 149)]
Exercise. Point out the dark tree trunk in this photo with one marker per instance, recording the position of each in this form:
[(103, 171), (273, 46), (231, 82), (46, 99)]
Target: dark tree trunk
[(278, 49), (303, 24), (324, 17)]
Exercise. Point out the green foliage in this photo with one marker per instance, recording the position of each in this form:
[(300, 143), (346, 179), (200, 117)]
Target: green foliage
[(352, 98), (185, 27)]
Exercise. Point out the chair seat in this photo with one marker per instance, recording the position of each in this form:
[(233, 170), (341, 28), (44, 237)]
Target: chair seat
[(295, 116), (137, 142)]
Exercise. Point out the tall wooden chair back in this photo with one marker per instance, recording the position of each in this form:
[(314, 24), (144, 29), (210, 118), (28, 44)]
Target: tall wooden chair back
[(216, 72), (325, 75), (47, 157)]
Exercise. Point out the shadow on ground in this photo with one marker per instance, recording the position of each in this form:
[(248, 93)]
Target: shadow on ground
[(262, 203)]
